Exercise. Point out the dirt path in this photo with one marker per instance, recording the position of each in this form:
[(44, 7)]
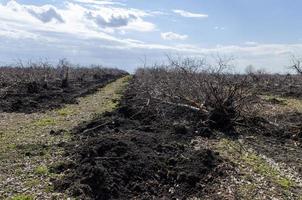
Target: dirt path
[(31, 143)]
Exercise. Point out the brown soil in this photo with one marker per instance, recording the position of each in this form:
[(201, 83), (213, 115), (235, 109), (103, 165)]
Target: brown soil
[(117, 156)]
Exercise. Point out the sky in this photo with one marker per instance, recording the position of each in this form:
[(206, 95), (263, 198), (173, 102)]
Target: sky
[(128, 33)]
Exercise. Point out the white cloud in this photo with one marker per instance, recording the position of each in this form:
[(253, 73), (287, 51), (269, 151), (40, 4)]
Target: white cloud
[(16, 34), (115, 18), (112, 21), (74, 18), (98, 2), (157, 13), (219, 28), (46, 15), (188, 14), (173, 36), (251, 43)]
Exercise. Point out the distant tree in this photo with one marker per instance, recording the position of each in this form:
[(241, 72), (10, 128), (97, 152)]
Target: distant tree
[(253, 73), (296, 64), (64, 65)]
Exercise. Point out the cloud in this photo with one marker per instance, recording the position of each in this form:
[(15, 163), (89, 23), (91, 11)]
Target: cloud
[(251, 43), (157, 13), (17, 34), (100, 2), (113, 20), (46, 15), (71, 18), (219, 28), (173, 36), (184, 13)]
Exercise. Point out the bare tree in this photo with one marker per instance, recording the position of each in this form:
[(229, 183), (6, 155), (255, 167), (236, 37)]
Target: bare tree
[(197, 85), (296, 64), (64, 65)]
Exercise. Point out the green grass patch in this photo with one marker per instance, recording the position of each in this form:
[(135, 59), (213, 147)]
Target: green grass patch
[(65, 111), (237, 154), (41, 170), (284, 182), (260, 166), (112, 104), (285, 101), (11, 146), (275, 100), (23, 197), (45, 122)]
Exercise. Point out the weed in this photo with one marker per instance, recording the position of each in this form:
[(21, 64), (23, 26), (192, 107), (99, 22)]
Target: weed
[(41, 170), (45, 122), (11, 146), (65, 112), (284, 182), (23, 197)]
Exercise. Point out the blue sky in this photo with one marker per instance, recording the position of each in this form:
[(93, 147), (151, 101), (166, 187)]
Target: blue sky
[(264, 33)]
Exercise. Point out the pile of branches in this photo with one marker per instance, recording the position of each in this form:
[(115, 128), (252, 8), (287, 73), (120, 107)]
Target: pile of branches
[(221, 98)]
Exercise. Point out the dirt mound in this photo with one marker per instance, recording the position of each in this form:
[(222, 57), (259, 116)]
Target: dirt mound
[(124, 164), (122, 156)]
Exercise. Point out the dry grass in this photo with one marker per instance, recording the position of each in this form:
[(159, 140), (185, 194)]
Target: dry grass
[(286, 104)]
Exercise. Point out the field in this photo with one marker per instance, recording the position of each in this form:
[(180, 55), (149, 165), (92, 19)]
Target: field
[(41, 86), (185, 130)]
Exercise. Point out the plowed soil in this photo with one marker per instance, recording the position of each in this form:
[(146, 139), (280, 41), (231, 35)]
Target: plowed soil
[(117, 156)]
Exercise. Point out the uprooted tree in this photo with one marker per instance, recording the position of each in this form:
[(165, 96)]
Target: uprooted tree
[(199, 86)]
